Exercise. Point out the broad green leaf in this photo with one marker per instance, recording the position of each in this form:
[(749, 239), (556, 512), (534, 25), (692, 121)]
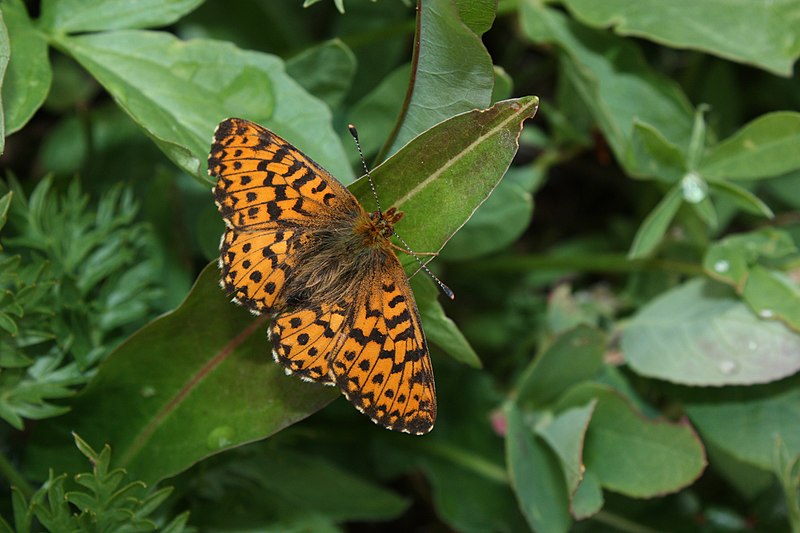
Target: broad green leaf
[(573, 356), (772, 294), (536, 476), (447, 172), (74, 16), (621, 444), (565, 434), (655, 225), (503, 85), (201, 380), (763, 34), (763, 148), (5, 202), (443, 45), (700, 333), (439, 329), (613, 81), (179, 91), (28, 75), (187, 387), (325, 71), (498, 222), (745, 421)]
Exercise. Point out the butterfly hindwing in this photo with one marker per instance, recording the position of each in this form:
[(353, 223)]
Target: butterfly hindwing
[(303, 340), (383, 366)]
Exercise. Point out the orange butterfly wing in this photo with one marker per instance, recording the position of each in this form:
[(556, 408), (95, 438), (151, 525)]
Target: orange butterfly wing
[(304, 339), (383, 366), (271, 196)]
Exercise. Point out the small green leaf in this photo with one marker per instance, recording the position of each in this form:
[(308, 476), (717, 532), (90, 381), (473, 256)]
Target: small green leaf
[(771, 294), (588, 499), (536, 477), (621, 444), (741, 197), (655, 225), (325, 71), (701, 334), (565, 434), (762, 148), (572, 357), (75, 16), (730, 259), (764, 35), (28, 76), (477, 15), (655, 155)]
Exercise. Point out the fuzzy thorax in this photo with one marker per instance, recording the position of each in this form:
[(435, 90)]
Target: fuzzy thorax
[(334, 263)]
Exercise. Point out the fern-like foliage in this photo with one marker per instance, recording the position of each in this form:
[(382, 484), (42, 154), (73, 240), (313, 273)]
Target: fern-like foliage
[(103, 503), (75, 279)]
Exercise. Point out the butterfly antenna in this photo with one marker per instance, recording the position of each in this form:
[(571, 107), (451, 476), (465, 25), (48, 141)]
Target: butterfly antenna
[(354, 133), (445, 289)]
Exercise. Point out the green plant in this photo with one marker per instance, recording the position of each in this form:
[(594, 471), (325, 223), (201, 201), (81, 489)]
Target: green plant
[(627, 349)]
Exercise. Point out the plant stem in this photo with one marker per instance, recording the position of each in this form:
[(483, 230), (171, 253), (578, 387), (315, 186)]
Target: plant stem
[(585, 263), (622, 524)]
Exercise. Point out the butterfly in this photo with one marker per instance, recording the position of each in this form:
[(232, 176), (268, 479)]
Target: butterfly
[(299, 247)]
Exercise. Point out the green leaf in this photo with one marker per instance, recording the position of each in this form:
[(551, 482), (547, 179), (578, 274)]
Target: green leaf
[(741, 197), (655, 225), (730, 259), (655, 155), (325, 71), (498, 222), (764, 35), (772, 294), (746, 421), (439, 328), (613, 81), (444, 44), (536, 477), (28, 76), (621, 444), (75, 16), (5, 202), (701, 334), (447, 172), (5, 54), (477, 15), (762, 148), (574, 356), (565, 434), (588, 499), (178, 91)]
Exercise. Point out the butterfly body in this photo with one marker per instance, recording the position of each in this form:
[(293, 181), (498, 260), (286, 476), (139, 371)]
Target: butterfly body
[(300, 247)]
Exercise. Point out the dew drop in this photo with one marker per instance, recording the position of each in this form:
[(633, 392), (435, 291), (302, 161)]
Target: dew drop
[(693, 187), (148, 391), (753, 345), (766, 313), (722, 266), (220, 437), (728, 367)]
